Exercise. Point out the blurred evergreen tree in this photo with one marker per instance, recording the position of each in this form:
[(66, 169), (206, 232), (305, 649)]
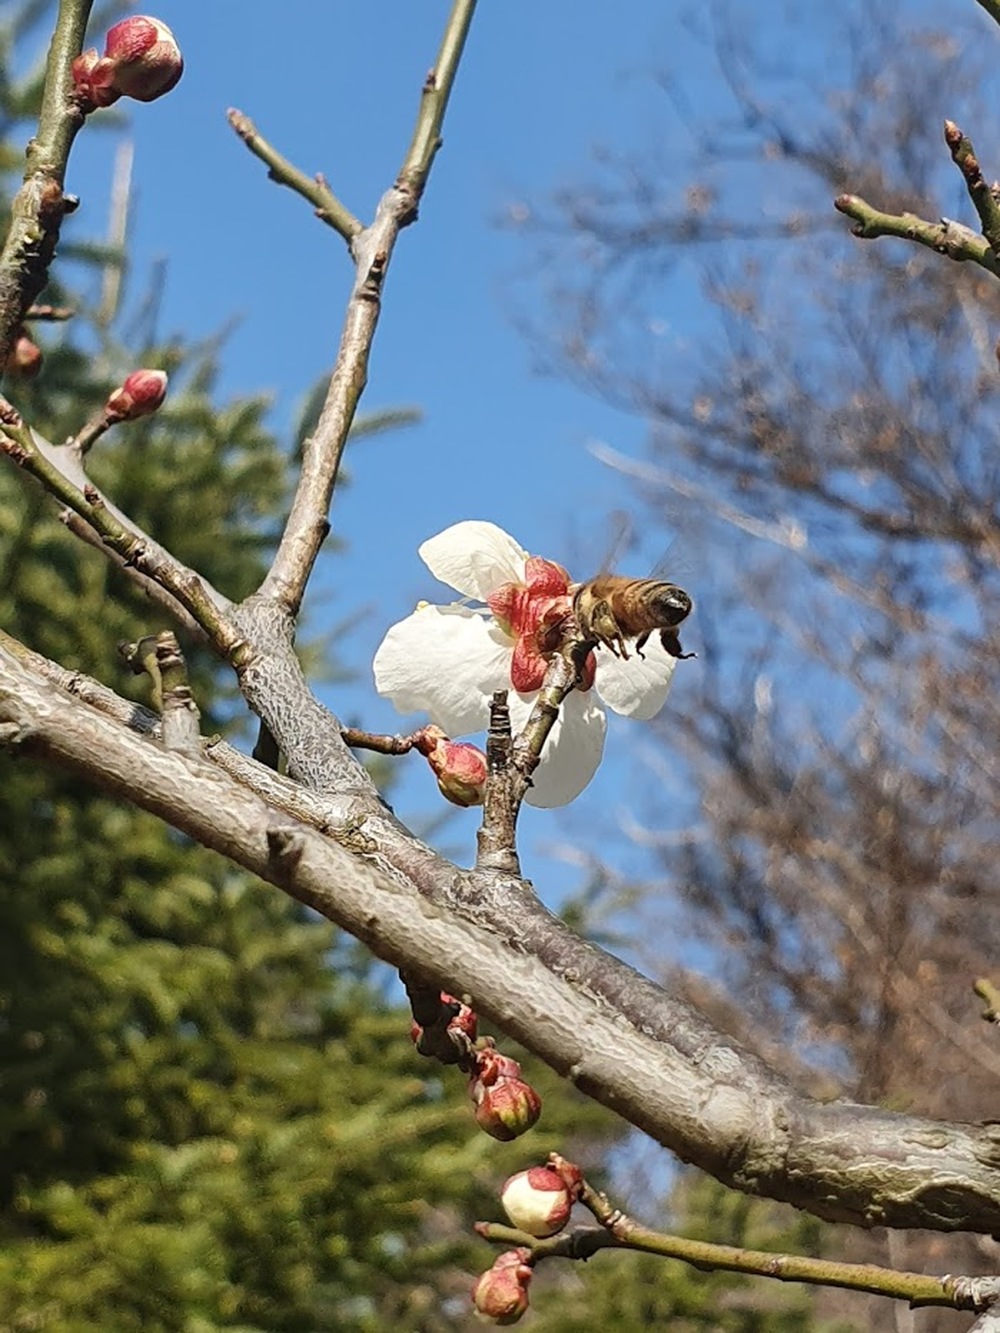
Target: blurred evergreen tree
[(211, 1114)]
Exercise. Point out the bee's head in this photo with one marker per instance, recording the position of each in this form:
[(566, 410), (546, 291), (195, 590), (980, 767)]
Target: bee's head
[(672, 604)]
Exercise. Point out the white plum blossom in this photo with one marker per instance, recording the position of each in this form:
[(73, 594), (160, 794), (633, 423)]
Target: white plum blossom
[(447, 661)]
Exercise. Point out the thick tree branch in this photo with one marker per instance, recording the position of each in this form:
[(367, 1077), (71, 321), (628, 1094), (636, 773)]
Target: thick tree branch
[(622, 1039)]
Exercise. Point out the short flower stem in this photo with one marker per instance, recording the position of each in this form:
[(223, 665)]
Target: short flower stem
[(370, 740), (497, 839)]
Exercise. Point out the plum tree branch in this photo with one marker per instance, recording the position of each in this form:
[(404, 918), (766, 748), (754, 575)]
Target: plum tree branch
[(619, 1232), (946, 237), (60, 472), (619, 1037), (964, 156), (40, 205), (372, 248), (314, 189)]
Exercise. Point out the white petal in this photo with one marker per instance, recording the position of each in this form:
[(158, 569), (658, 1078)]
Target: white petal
[(474, 558), (445, 661), (636, 688), (572, 751)]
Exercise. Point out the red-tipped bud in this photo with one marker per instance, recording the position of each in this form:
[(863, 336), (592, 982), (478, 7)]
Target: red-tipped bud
[(83, 69), (466, 1020), (501, 1294), (506, 1106), (141, 60), (537, 1201), (24, 360), (459, 766), (141, 394)]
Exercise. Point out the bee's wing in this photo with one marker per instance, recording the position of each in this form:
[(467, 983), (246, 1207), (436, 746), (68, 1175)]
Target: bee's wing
[(677, 563), (621, 528)]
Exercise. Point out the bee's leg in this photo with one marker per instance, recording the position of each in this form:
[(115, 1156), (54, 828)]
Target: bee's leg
[(617, 642), (641, 642), (672, 643), (617, 645), (605, 628)]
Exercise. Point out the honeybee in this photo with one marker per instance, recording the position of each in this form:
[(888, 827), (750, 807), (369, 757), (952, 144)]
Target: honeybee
[(614, 607)]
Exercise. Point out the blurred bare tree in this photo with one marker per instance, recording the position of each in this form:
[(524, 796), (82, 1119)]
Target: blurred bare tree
[(827, 435)]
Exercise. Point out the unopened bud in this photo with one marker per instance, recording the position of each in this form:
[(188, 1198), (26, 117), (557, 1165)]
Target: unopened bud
[(506, 1106), (24, 360), (141, 60), (139, 396), (537, 1201), (459, 766), (465, 1021), (501, 1294)]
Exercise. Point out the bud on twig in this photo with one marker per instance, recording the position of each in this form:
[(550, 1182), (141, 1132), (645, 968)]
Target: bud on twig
[(141, 60), (462, 1025), (506, 1106), (459, 766), (501, 1294), (540, 1200), (24, 360), (139, 396)]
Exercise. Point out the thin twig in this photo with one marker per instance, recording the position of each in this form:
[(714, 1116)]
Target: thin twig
[(328, 207), (379, 743), (40, 205), (964, 157), (510, 773), (130, 543), (946, 237), (618, 1231), (50, 313), (308, 525), (80, 528)]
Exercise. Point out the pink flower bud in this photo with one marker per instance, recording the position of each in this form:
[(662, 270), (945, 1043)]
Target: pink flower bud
[(501, 1294), (466, 1020), (506, 1106), (491, 1066), (459, 766), (141, 394), (141, 60), (24, 360), (537, 1201)]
